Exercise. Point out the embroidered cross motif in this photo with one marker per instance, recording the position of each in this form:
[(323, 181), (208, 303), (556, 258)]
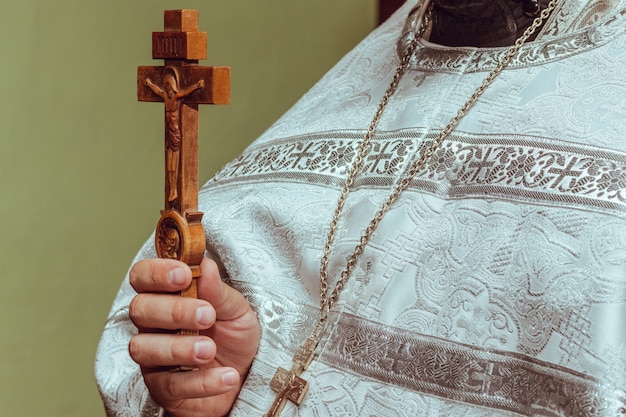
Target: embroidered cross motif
[(485, 162), (485, 379), (564, 172), (381, 155), (301, 155)]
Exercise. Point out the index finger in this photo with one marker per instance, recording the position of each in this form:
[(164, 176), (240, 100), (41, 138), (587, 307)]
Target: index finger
[(159, 275)]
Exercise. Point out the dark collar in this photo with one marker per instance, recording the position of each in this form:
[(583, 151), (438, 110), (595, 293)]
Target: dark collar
[(480, 23)]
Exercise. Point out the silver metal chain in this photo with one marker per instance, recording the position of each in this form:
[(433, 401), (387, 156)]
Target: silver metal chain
[(328, 301)]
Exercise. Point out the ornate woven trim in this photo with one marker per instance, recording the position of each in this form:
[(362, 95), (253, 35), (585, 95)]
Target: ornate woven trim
[(498, 380), (432, 57), (520, 168)]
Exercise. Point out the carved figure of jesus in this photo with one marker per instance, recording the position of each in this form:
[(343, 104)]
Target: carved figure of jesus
[(173, 99)]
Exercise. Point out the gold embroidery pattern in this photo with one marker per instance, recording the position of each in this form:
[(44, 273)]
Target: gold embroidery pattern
[(517, 168), (498, 380)]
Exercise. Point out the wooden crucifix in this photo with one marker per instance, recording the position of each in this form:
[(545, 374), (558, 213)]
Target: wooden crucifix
[(182, 85)]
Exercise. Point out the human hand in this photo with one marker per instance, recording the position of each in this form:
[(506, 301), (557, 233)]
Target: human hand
[(223, 351)]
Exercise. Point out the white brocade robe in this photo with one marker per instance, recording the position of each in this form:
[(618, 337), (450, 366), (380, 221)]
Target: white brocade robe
[(495, 286)]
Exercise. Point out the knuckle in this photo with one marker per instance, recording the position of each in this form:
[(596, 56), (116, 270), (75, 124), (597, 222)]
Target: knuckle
[(133, 276), (156, 274), (179, 311), (134, 349), (149, 275), (206, 384), (181, 354), (170, 388), (134, 308)]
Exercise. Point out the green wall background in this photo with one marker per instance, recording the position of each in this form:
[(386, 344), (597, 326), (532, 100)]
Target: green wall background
[(81, 160)]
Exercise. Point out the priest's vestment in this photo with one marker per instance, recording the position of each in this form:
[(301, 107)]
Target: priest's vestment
[(496, 284)]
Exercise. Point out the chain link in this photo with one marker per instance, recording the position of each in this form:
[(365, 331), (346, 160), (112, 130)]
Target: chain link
[(327, 302)]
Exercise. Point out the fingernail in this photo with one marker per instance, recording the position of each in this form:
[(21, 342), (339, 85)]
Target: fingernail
[(202, 349), (230, 378), (176, 276), (205, 316)]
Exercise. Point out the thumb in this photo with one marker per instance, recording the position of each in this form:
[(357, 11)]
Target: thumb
[(229, 304)]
